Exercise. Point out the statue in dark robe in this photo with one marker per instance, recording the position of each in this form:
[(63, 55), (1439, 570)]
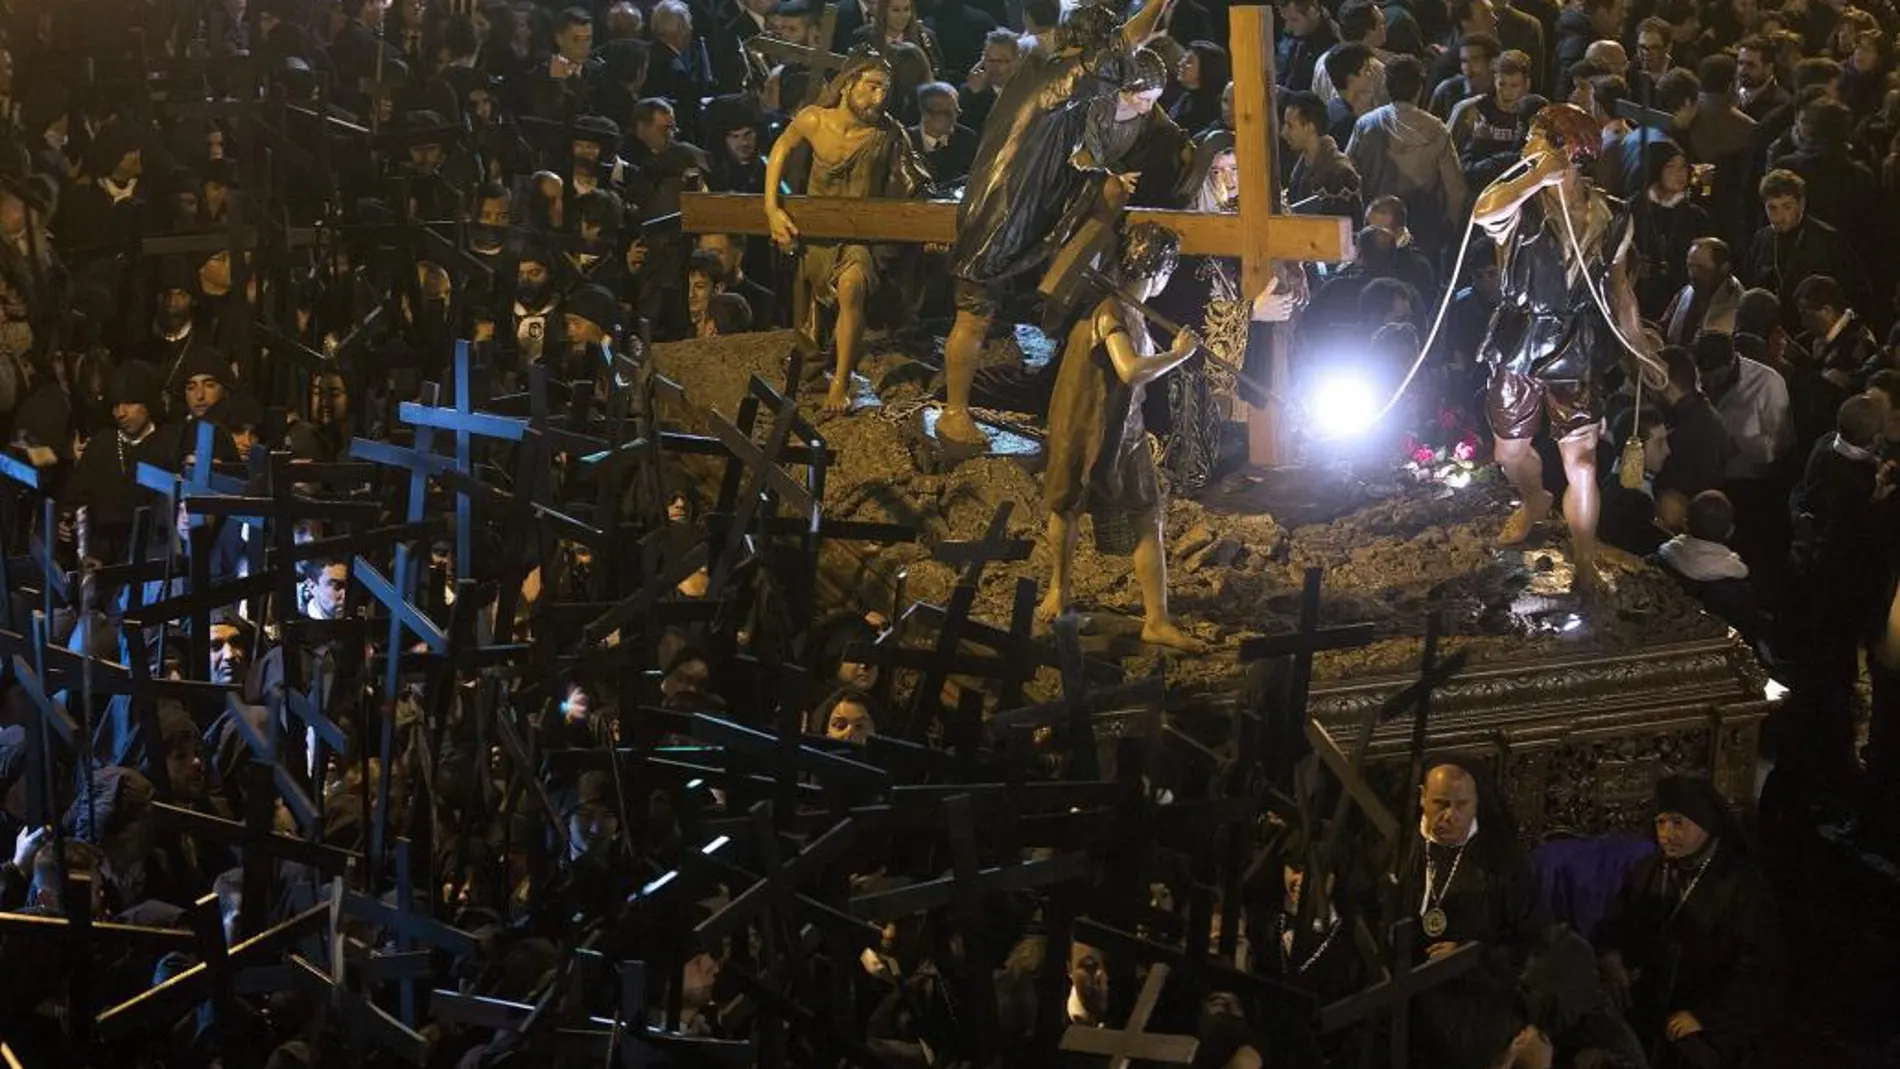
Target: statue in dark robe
[(1026, 181)]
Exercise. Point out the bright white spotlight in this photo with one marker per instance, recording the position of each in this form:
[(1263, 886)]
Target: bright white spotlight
[(1343, 404)]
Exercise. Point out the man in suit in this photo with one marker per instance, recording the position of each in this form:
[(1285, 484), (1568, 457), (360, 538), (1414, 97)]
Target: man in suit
[(1002, 54), (677, 71), (947, 146), (1842, 191)]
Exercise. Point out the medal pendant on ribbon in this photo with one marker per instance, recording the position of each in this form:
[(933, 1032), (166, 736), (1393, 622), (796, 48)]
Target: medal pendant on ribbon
[(1434, 922)]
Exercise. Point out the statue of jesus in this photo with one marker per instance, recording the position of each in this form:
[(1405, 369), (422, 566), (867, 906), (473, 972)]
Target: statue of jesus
[(857, 150)]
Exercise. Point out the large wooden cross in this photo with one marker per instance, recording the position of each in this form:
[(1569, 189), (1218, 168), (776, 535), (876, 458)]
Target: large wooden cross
[(1256, 236)]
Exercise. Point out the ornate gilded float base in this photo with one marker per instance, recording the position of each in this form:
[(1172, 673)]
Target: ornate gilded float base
[(1578, 742)]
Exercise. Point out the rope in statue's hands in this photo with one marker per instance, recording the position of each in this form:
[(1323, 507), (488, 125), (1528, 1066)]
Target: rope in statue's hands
[(1645, 361), (1438, 319)]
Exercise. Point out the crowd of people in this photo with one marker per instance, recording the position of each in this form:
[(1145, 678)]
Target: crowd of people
[(180, 250), (1754, 147)]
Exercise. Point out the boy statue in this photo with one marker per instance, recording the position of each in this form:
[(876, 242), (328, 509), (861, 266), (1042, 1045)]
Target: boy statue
[(1099, 457)]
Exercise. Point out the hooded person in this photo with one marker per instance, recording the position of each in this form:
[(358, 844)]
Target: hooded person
[(537, 301), (199, 386), (1692, 944), (1402, 150), (95, 217), (174, 322), (104, 483), (1466, 878), (591, 317)]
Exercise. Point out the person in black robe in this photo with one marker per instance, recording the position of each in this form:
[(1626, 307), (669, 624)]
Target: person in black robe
[(103, 488), (1467, 880), (1691, 943)]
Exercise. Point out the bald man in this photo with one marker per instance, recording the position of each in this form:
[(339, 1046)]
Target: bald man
[(1470, 882)]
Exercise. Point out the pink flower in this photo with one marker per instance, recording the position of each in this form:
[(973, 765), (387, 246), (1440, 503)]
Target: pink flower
[(1409, 444), (1465, 450), (1423, 455)]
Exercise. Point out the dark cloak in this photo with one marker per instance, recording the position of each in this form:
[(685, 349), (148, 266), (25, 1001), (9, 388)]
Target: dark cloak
[(1021, 183)]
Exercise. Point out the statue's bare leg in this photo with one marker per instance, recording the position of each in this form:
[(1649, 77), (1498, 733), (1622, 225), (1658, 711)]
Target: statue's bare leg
[(1062, 535), (849, 335), (1582, 504), (1525, 470), (961, 350), (1151, 571)]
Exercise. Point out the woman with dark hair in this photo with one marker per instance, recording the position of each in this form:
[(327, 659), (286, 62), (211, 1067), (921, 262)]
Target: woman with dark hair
[(1691, 945), (901, 26), (1203, 75)]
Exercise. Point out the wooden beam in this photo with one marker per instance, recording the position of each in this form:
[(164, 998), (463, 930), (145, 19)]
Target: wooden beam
[(1250, 39), (1291, 237)]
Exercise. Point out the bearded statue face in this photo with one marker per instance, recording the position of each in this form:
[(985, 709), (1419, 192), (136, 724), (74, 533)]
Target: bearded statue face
[(867, 93)]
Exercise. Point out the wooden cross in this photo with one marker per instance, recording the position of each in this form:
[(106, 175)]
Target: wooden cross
[(76, 933), (944, 659), (166, 1001), (1392, 996), (410, 927), (819, 59), (626, 1039), (1133, 1043), (1350, 772), (1283, 1002), (1257, 235)]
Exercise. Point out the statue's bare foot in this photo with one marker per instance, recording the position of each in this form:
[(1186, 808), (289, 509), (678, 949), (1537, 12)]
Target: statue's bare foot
[(1164, 633), (1518, 528), (956, 425), (1589, 583), (1048, 609), (838, 400)]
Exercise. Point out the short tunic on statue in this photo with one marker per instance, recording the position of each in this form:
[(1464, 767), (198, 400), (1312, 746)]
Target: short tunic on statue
[(876, 169), (1548, 342), (1098, 445)]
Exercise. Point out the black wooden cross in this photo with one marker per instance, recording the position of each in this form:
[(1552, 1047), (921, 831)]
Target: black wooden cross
[(626, 1039), (77, 935), (1350, 772), (1392, 996), (1283, 1003), (168, 1000), (1134, 1043), (466, 424), (410, 927), (943, 657), (779, 879)]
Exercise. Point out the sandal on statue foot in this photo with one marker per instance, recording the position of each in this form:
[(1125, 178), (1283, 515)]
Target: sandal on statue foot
[(1523, 521)]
